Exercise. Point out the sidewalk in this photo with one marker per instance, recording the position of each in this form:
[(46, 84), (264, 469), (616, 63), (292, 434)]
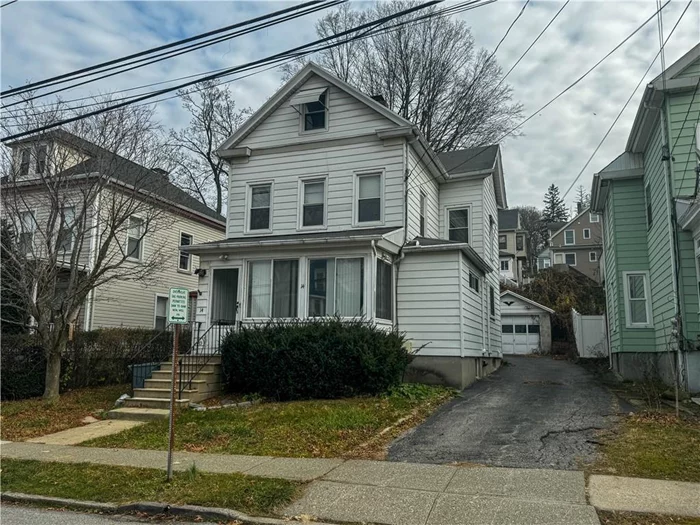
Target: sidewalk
[(408, 493)]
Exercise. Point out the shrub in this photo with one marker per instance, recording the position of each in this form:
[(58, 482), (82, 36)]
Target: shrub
[(318, 359)]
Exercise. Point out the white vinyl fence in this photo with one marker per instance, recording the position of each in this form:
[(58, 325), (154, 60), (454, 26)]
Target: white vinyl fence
[(589, 330)]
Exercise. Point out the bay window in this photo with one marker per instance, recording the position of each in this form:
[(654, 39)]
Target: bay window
[(384, 295), (273, 288), (336, 287)]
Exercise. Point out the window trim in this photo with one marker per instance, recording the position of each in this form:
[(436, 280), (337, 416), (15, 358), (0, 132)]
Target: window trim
[(592, 214), (458, 207), (474, 278), (155, 308), (188, 270), (521, 237), (563, 258), (647, 299), (507, 261), (492, 302), (595, 259), (422, 212), (302, 116), (546, 263), (246, 282), (649, 212), (573, 242), (27, 149), (249, 201), (505, 244), (72, 233), (32, 231), (584, 233), (300, 205), (142, 242), (392, 281), (356, 194)]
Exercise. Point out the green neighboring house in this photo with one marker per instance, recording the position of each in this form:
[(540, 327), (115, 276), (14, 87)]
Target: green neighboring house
[(648, 198)]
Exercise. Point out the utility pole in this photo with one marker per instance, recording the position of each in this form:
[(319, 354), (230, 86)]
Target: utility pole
[(173, 388)]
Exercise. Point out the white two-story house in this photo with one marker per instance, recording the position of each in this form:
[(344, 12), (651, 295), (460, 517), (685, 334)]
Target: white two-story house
[(338, 207)]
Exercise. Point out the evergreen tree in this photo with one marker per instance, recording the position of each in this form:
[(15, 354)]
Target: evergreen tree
[(554, 208)]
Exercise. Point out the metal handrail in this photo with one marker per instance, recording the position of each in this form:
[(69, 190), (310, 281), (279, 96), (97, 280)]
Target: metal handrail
[(192, 369)]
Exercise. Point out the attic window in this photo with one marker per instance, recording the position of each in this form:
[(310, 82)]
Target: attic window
[(311, 105)]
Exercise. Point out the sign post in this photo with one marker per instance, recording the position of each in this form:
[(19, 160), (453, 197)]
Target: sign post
[(177, 315)]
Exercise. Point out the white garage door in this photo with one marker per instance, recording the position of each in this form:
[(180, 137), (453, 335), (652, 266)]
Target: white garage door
[(521, 334)]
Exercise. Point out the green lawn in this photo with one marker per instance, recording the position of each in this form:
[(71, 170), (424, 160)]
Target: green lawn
[(631, 518), (354, 427), (35, 417), (120, 485), (653, 445)]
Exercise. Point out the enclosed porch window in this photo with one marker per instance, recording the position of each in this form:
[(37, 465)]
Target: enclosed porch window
[(336, 287), (273, 288)]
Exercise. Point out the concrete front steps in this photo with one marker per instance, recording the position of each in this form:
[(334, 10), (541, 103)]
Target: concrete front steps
[(153, 400)]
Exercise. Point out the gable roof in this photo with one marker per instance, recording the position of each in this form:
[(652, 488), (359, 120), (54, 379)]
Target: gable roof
[(525, 299), (508, 220), (565, 224), (105, 162)]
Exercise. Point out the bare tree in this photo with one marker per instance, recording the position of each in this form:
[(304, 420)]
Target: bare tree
[(214, 118), (531, 222), (429, 72), (80, 202), (583, 198)]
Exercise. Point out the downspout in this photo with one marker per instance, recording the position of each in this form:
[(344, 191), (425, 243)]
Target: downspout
[(605, 264), (90, 307), (461, 304)]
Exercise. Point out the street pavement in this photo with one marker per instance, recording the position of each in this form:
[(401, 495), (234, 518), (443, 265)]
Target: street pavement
[(535, 412), (21, 515)]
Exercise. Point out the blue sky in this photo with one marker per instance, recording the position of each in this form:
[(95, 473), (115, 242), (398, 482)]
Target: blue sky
[(42, 39)]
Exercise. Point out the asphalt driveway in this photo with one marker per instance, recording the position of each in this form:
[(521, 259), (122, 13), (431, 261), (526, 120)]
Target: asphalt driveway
[(535, 412)]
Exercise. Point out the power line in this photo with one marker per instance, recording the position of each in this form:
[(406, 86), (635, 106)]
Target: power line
[(34, 85), (619, 115), (561, 93), (8, 3), (299, 50), (457, 8), (164, 56)]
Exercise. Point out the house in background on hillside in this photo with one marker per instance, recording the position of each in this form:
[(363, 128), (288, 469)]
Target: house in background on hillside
[(578, 244), (31, 209), (323, 221), (648, 198), (544, 258), (512, 246)]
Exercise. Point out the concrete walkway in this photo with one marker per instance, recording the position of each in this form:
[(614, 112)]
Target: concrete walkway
[(76, 435), (401, 493)]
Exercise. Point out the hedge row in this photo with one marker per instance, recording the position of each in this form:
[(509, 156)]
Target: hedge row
[(318, 359), (99, 357)]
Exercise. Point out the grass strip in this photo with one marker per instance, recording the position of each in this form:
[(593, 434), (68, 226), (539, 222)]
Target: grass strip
[(110, 484)]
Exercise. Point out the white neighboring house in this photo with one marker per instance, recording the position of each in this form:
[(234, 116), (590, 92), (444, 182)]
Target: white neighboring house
[(508, 268), (526, 325), (337, 206)]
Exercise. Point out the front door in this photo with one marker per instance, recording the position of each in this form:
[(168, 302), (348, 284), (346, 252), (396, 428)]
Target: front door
[(224, 306)]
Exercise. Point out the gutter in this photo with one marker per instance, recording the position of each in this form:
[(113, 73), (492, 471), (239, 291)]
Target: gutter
[(223, 245), (464, 247)]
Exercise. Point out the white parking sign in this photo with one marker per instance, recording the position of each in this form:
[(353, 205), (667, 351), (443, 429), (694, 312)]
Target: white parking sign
[(177, 305)]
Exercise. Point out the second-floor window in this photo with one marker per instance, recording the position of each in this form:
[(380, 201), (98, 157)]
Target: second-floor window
[(41, 152), (421, 213), (502, 242), (492, 301), (458, 225), (134, 243), (27, 229), (586, 233), (260, 200), (24, 161), (569, 237), (519, 241), (369, 198), (505, 266), (66, 236), (593, 217), (185, 258), (312, 208)]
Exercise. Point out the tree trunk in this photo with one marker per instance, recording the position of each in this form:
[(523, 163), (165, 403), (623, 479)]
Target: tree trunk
[(53, 376)]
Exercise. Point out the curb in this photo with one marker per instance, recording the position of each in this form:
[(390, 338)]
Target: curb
[(151, 508)]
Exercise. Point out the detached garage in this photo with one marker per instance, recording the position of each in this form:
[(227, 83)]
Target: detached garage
[(526, 325)]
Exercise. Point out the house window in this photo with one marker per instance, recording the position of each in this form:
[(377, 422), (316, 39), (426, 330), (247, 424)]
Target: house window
[(507, 328), (637, 303), (558, 258), (369, 198), (473, 282), (313, 213), (569, 237), (272, 288), (315, 114), (505, 266), (519, 242), (25, 158), (593, 217), (41, 152), (570, 259), (185, 257), (592, 256), (134, 244), (458, 225), (492, 301), (586, 233), (647, 195), (533, 329), (65, 232), (161, 317), (546, 263), (260, 198), (336, 287), (422, 215), (384, 299), (502, 242), (27, 229)]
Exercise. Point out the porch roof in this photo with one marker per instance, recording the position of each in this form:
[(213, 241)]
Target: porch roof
[(365, 234), (426, 244)]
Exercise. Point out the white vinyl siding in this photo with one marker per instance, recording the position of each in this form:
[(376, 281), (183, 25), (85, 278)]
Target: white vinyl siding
[(422, 184), (462, 194), (474, 325)]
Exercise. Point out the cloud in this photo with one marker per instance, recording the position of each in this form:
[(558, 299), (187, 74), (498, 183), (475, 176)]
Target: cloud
[(42, 39)]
